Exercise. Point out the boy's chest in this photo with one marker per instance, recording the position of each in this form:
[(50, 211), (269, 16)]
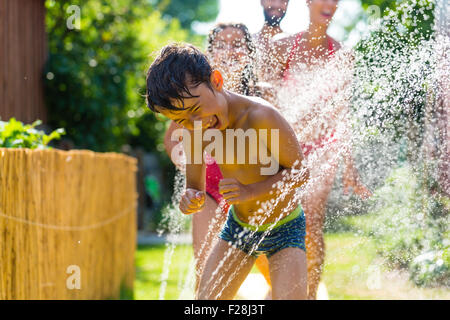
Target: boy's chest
[(241, 156), (245, 173)]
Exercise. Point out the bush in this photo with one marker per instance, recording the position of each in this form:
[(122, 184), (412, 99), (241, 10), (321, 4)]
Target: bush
[(394, 70), (95, 76), (410, 227), (14, 134), (431, 268)]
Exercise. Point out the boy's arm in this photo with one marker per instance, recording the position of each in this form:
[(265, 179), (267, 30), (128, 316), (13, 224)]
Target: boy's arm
[(287, 152), (193, 199), (193, 146), (170, 143)]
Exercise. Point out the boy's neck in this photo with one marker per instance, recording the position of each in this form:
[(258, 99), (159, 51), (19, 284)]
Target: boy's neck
[(236, 107)]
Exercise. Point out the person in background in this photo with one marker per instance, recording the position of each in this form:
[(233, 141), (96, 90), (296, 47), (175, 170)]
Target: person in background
[(298, 59), (274, 13)]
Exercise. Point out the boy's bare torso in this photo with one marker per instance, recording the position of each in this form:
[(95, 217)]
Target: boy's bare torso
[(250, 171)]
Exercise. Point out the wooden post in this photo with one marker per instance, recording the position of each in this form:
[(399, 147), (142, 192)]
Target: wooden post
[(23, 52)]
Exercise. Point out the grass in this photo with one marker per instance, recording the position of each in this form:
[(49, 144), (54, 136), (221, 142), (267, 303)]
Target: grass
[(149, 270), (352, 271), (347, 259)]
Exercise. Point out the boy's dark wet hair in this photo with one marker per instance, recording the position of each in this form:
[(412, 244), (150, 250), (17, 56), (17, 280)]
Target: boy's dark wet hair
[(178, 67)]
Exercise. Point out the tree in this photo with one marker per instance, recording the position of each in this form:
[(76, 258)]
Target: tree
[(384, 62), (416, 16), (95, 76), (188, 11)]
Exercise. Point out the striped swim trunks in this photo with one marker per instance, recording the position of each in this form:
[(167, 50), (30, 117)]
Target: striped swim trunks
[(266, 239)]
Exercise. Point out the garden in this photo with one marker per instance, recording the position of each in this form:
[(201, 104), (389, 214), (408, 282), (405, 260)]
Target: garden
[(89, 196)]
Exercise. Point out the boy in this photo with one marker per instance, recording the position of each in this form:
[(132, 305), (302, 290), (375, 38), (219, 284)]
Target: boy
[(265, 216)]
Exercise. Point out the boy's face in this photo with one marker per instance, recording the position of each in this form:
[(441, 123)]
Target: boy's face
[(210, 107)]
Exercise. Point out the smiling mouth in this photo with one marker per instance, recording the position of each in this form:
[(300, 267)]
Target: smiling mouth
[(326, 14)]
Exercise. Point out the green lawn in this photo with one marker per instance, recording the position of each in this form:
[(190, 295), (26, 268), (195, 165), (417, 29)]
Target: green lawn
[(352, 271), (149, 271)]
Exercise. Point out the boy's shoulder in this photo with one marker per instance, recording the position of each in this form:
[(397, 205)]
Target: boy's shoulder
[(262, 113)]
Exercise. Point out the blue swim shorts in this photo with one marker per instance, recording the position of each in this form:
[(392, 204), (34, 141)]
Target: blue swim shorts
[(266, 239)]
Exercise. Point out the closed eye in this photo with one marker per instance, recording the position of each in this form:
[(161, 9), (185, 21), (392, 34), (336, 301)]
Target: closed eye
[(195, 107)]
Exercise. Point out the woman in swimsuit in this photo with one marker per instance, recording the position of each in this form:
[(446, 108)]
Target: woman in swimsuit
[(304, 81), (231, 50)]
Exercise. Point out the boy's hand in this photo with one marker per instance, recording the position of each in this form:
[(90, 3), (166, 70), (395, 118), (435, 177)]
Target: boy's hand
[(235, 192), (192, 201)]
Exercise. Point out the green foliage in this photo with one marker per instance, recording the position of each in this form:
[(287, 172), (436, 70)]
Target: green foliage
[(188, 11), (393, 68), (95, 76), (410, 227), (432, 269), (417, 16), (14, 134), (382, 4)]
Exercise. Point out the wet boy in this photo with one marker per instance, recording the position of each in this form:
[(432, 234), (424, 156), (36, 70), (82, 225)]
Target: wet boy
[(265, 215)]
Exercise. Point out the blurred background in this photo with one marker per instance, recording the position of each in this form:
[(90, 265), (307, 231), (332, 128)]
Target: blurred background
[(89, 59)]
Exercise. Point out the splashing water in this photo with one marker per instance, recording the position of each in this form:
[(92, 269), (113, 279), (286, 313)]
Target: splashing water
[(174, 222), (370, 102)]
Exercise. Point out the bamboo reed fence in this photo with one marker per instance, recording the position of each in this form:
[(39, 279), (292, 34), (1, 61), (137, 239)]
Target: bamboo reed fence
[(67, 224)]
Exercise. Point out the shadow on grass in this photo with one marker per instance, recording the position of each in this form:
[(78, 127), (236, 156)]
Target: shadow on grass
[(126, 293)]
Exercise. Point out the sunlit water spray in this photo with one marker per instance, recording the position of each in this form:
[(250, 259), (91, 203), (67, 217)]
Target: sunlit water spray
[(174, 222), (368, 103)]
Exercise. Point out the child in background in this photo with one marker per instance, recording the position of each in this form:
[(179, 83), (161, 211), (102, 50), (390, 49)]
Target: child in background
[(297, 61)]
